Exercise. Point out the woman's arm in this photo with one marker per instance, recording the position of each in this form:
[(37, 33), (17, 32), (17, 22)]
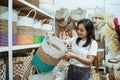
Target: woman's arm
[(89, 60)]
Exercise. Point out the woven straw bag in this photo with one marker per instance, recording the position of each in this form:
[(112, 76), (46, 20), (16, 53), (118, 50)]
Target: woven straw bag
[(97, 13), (26, 58), (46, 57), (24, 30), (61, 14), (78, 14), (2, 70), (4, 13), (63, 22), (26, 20)]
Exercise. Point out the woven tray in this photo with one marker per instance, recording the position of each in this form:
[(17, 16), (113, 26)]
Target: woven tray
[(24, 30)]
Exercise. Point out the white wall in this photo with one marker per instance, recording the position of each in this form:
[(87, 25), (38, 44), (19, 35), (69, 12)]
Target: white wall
[(71, 4), (113, 6)]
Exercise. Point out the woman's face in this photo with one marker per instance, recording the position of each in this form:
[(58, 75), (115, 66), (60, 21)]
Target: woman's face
[(81, 31)]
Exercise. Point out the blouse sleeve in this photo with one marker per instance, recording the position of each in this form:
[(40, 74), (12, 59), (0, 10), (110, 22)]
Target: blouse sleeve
[(93, 48)]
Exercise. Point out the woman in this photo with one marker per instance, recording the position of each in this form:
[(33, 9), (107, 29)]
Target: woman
[(84, 50)]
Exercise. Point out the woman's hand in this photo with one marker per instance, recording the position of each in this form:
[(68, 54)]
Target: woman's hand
[(70, 55), (67, 55)]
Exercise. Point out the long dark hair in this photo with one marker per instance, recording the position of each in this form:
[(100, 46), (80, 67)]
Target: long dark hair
[(90, 30)]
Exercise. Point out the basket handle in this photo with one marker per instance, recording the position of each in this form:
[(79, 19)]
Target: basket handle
[(31, 12), (52, 45), (32, 52)]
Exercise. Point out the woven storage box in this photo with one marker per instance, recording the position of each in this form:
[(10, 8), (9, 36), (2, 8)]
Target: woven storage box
[(4, 39), (18, 70), (24, 39), (25, 30), (4, 26), (2, 70), (26, 58), (48, 53), (34, 2)]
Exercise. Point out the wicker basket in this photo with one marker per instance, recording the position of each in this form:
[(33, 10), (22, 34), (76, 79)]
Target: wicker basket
[(2, 70), (25, 30), (36, 39), (34, 2), (4, 26), (46, 57), (18, 70), (4, 39), (26, 58), (24, 39)]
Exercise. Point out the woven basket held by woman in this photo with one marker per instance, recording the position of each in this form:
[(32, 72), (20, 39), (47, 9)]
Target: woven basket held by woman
[(48, 53)]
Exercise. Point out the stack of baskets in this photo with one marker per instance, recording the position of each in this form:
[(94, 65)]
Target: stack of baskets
[(2, 70), (22, 65), (4, 26), (25, 29), (39, 35), (37, 32), (46, 57)]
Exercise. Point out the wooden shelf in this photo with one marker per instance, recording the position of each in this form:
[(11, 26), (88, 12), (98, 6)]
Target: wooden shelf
[(26, 6), (19, 47)]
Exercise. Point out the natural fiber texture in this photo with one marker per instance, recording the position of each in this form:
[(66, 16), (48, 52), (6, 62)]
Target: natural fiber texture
[(53, 47), (41, 65), (24, 39), (18, 70), (25, 30), (74, 34), (2, 70), (98, 13), (62, 14), (26, 58), (63, 22), (4, 39), (78, 14), (46, 58), (116, 69), (36, 39), (34, 2), (111, 40), (38, 32), (4, 26)]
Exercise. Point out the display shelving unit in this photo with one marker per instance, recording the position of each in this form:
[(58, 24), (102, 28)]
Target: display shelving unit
[(19, 5)]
